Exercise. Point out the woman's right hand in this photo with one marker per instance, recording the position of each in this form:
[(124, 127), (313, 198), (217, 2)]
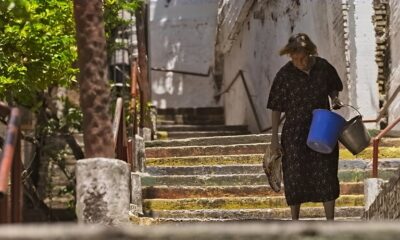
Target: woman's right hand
[(275, 147)]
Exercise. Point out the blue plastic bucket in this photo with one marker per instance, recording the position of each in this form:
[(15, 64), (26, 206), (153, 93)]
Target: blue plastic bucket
[(325, 129)]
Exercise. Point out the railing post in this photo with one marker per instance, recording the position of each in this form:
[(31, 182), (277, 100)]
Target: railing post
[(10, 162), (16, 184), (375, 145)]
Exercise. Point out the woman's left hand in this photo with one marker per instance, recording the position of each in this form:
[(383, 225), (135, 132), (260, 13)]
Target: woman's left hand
[(336, 103)]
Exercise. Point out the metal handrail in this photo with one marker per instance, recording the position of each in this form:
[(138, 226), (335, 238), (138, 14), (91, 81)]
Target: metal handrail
[(385, 107), (10, 163), (253, 107), (375, 144), (123, 146)]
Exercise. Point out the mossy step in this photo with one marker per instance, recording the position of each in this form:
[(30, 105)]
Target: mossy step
[(176, 192), (239, 203), (205, 160), (238, 149), (207, 141), (256, 214), (148, 221), (242, 139), (247, 179), (384, 152), (181, 127), (254, 148), (253, 168), (192, 134), (245, 159)]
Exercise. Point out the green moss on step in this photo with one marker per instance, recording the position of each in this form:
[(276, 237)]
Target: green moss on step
[(240, 203), (384, 152), (205, 160), (162, 135)]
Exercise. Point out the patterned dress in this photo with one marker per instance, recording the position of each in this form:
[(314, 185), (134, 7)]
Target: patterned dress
[(308, 176)]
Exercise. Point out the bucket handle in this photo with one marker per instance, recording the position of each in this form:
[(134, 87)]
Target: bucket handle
[(348, 105)]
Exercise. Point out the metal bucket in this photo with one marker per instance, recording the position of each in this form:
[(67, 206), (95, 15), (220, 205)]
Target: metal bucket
[(355, 136)]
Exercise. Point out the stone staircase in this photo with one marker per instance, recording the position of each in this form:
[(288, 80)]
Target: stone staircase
[(220, 178), (191, 122)]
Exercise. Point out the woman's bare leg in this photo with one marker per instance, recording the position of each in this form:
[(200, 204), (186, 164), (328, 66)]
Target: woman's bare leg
[(329, 210), (295, 211)]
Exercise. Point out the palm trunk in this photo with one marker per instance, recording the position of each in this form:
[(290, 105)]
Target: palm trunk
[(94, 90)]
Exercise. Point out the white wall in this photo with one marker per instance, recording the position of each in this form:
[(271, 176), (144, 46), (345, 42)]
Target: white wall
[(394, 110), (363, 68), (182, 36), (267, 29)]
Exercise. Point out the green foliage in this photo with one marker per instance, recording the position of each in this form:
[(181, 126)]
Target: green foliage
[(37, 48), (114, 20), (37, 53)]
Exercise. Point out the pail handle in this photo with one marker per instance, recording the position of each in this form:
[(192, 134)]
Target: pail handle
[(347, 105)]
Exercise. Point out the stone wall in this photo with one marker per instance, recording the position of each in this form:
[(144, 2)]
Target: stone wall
[(382, 53), (265, 29), (387, 204)]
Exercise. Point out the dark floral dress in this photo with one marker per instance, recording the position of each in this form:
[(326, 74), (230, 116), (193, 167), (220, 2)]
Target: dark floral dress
[(308, 176)]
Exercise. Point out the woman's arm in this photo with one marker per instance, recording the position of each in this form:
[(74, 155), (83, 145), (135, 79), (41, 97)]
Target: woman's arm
[(275, 146)]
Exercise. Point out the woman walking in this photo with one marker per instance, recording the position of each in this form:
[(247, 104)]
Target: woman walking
[(303, 84)]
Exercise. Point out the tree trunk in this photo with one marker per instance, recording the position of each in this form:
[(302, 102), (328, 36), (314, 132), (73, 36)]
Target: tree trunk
[(94, 90)]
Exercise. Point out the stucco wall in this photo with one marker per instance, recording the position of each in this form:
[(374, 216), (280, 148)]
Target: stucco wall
[(267, 28), (363, 68), (394, 110), (182, 36)]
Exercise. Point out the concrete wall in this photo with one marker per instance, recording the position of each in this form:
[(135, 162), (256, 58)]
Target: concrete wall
[(182, 36), (266, 29), (363, 68), (311, 230), (386, 204), (394, 30)]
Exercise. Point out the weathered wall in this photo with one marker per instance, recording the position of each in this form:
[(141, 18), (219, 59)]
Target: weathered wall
[(386, 204), (394, 29), (182, 36), (363, 68), (266, 29), (267, 231)]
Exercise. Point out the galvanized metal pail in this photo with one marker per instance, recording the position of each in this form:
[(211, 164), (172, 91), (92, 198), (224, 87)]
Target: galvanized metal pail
[(355, 136)]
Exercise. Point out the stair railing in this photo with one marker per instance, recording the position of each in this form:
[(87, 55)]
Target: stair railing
[(10, 164), (252, 104), (385, 107), (125, 146), (375, 144)]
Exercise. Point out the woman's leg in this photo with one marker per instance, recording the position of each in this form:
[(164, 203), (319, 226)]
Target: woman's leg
[(329, 210), (295, 211)]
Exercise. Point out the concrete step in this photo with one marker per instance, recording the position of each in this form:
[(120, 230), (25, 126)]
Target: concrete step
[(185, 221), (248, 179), (239, 203), (241, 168), (253, 148), (194, 134), (205, 160), (243, 139), (256, 214), (159, 152), (245, 159), (175, 192), (207, 141), (192, 115), (191, 128)]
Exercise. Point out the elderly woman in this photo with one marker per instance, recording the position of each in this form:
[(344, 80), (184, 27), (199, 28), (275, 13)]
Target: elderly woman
[(302, 85)]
